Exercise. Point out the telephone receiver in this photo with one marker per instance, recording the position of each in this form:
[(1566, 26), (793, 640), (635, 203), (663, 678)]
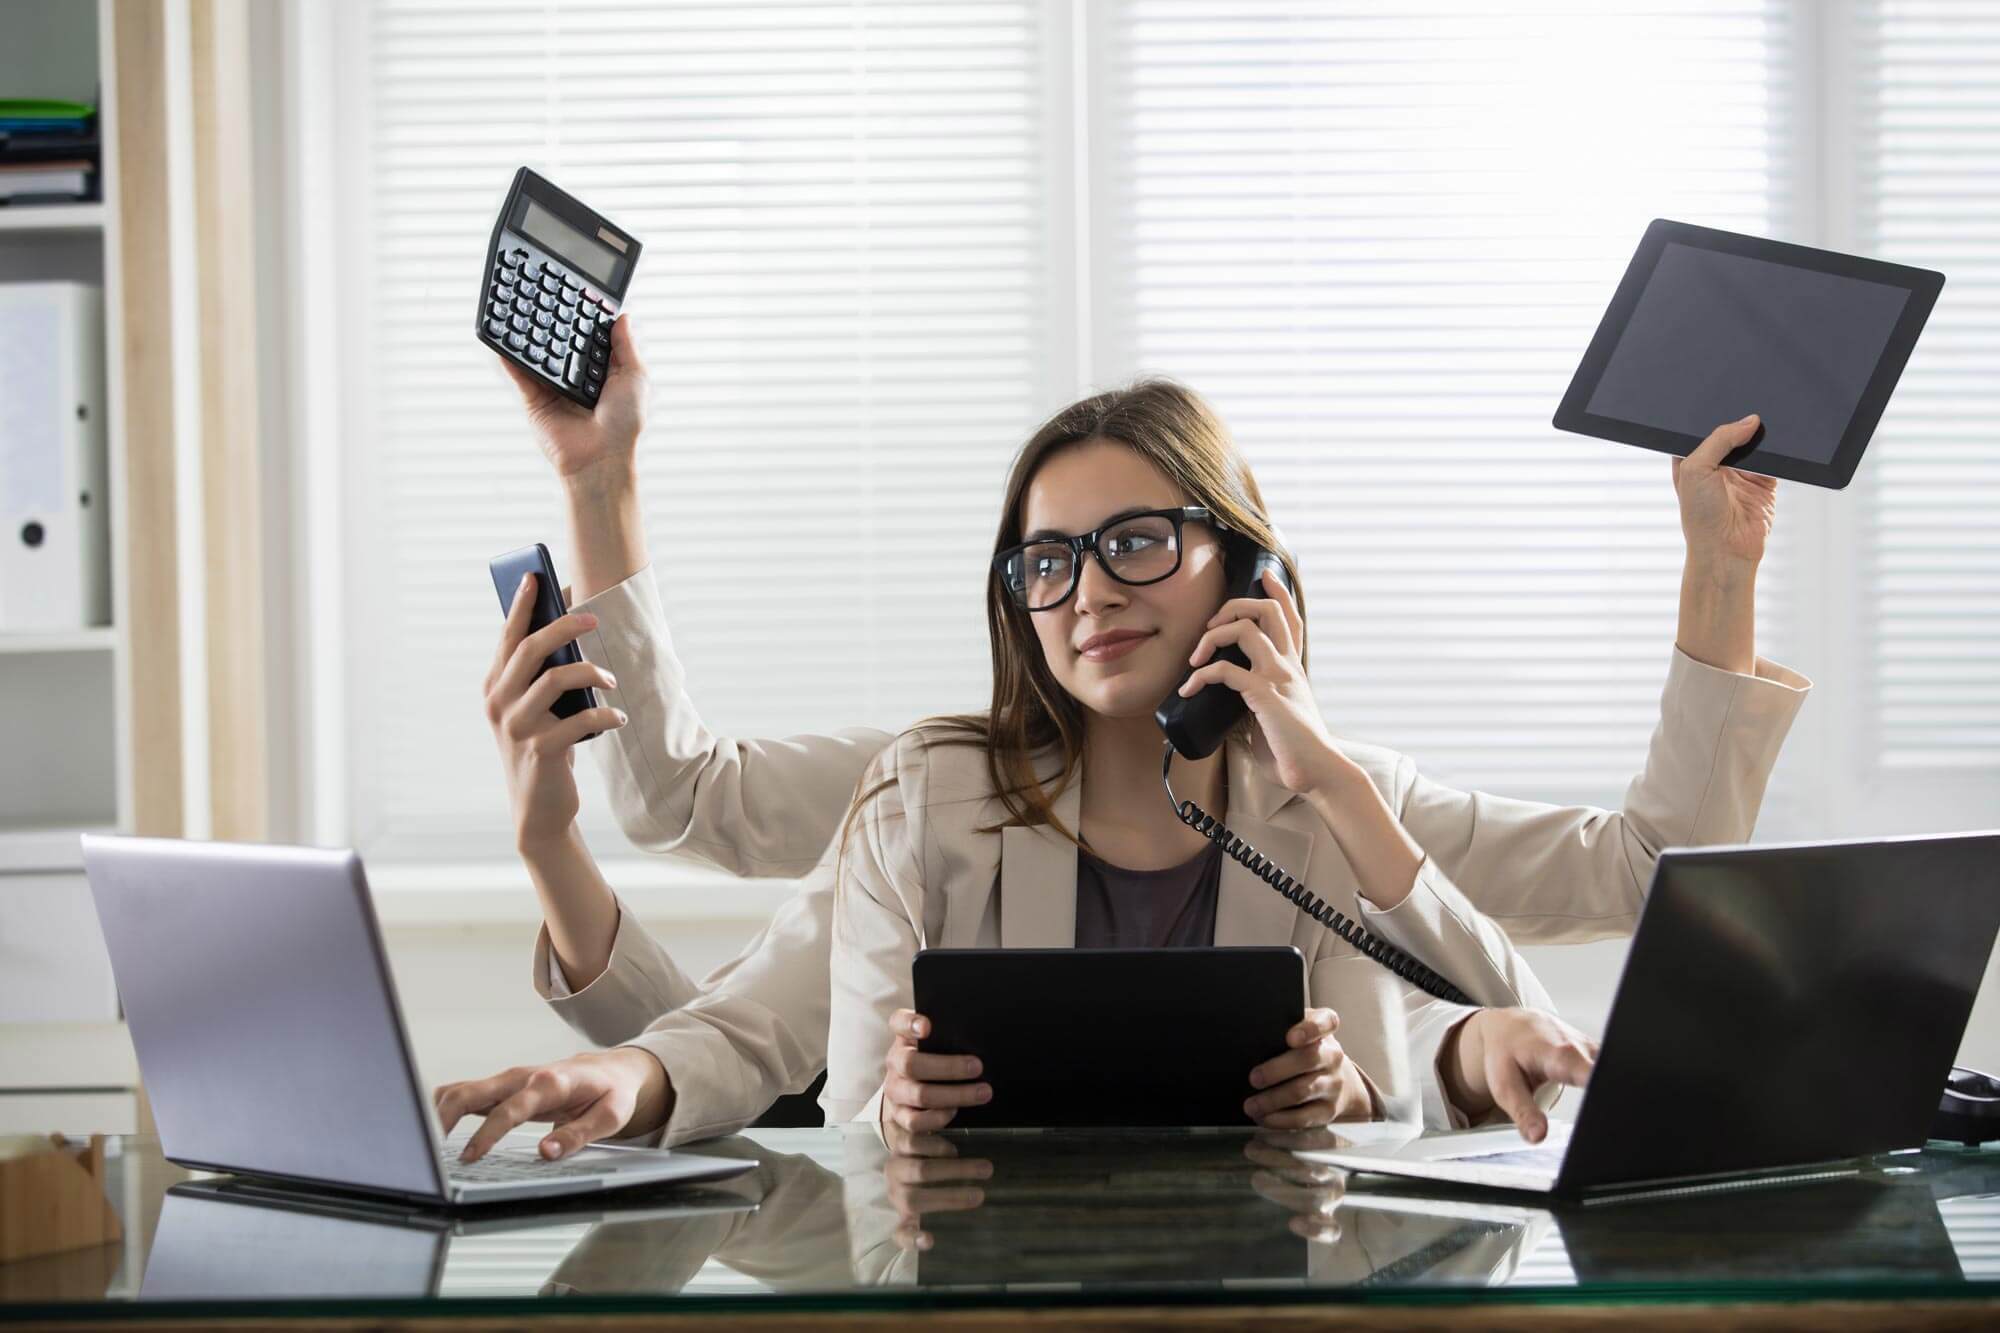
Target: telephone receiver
[(1196, 725)]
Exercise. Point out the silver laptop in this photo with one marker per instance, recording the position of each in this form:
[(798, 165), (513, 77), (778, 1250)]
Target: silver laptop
[(1785, 1008), (264, 1016)]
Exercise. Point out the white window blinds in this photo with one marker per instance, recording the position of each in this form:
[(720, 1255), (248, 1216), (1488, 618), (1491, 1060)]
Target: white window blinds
[(1928, 185), (1378, 237), (841, 303)]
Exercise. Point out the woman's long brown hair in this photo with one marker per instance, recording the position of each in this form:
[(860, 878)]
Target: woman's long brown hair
[(1175, 430)]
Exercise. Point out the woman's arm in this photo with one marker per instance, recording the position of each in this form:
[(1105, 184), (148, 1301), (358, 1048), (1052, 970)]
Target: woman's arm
[(1558, 874), (1506, 1061), (750, 807), (718, 1058), (1726, 519), (757, 1028), (878, 926), (538, 756), (1390, 866), (595, 456)]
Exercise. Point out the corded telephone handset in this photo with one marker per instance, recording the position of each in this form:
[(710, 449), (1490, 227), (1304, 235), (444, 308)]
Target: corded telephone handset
[(1195, 726)]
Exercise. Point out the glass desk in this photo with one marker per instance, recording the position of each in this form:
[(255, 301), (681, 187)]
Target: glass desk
[(1202, 1227)]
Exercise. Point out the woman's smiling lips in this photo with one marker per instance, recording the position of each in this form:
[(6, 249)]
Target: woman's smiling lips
[(1112, 645)]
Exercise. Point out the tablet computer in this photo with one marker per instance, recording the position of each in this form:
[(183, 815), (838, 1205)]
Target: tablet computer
[(1111, 1036), (1709, 326)]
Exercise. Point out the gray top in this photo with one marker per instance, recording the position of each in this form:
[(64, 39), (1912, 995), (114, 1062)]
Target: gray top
[(1118, 908)]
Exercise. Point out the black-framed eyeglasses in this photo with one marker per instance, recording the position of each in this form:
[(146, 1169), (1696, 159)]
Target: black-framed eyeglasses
[(1135, 549)]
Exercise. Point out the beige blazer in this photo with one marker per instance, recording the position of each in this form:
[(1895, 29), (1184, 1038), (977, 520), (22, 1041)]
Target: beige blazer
[(757, 1027), (918, 873)]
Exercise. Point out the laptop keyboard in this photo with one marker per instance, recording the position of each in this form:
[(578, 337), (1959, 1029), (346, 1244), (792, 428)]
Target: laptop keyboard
[(501, 1167), (1540, 1158)]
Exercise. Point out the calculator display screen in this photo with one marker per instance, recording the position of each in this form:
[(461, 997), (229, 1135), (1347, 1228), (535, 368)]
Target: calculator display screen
[(552, 233)]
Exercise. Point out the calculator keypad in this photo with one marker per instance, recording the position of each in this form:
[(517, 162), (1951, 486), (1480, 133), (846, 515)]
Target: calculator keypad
[(550, 321)]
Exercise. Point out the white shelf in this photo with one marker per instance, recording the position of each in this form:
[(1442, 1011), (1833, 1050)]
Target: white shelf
[(41, 847), (66, 1055), (100, 638), (29, 219), (30, 1111)]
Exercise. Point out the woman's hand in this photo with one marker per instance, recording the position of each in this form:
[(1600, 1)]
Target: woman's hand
[(1269, 630), (1726, 514), (1312, 1083), (1499, 1057), (922, 1092), (537, 748), (579, 441), (591, 1096)]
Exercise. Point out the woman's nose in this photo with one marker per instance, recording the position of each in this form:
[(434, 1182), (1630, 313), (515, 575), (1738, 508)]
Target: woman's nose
[(1095, 588)]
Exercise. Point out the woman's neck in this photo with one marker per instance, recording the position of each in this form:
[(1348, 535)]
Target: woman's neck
[(1126, 817)]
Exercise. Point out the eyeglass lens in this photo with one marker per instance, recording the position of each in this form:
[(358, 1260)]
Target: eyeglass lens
[(1137, 550)]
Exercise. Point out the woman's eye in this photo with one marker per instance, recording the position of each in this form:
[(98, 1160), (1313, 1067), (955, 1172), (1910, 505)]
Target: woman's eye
[(1130, 543)]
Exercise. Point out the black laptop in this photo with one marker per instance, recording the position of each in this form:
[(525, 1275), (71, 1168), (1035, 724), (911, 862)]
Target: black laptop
[(1785, 1007)]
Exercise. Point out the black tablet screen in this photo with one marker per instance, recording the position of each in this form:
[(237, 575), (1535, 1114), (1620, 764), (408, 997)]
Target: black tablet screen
[(1717, 335)]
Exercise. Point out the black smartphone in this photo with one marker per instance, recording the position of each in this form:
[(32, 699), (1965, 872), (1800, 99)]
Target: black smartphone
[(508, 570)]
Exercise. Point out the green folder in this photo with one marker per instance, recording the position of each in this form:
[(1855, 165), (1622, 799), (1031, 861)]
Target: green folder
[(43, 108)]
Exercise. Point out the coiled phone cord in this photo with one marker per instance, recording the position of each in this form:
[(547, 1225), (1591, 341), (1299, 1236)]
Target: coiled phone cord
[(1366, 943)]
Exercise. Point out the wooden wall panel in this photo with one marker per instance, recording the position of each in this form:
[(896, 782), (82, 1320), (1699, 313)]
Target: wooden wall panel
[(151, 613), (232, 476)]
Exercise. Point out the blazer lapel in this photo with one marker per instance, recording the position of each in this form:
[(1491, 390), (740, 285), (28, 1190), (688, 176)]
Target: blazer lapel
[(1038, 880), (1038, 868), (1247, 909)]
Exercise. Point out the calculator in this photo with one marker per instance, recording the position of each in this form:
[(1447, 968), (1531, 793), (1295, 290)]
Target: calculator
[(556, 273)]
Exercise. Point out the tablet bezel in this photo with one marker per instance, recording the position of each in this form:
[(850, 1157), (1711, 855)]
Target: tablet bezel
[(1923, 285)]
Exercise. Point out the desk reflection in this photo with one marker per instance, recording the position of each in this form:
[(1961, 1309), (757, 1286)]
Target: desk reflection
[(841, 1210), (1877, 1224), (1154, 1208)]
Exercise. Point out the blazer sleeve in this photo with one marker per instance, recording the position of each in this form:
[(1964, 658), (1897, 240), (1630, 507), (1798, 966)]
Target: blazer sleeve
[(758, 1027), (1555, 874), (1395, 1035), (878, 926), (755, 807), (748, 807), (639, 983)]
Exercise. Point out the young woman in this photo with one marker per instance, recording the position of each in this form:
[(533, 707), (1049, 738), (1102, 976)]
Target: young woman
[(702, 1060), (1042, 822)]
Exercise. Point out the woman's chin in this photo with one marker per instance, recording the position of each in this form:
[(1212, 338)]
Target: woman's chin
[(1126, 698)]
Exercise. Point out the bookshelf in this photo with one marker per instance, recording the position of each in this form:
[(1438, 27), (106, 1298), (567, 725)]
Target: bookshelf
[(71, 759)]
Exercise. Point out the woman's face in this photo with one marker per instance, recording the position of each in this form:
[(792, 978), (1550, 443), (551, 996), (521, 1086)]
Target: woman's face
[(1076, 490)]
